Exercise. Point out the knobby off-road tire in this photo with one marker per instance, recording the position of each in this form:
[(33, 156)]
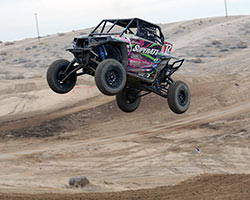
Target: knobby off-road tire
[(55, 74), (178, 97), (128, 100), (110, 77)]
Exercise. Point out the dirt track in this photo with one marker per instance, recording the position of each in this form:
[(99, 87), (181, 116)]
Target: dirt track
[(206, 187), (46, 138)]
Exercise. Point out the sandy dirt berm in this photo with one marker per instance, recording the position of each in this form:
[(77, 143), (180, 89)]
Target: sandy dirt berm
[(46, 138)]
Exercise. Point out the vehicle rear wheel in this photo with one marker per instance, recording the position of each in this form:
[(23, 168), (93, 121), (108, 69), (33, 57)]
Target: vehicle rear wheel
[(110, 77), (178, 97), (128, 100), (55, 75)]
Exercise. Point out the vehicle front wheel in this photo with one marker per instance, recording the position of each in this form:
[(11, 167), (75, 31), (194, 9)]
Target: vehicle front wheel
[(56, 74), (178, 97), (110, 77), (128, 100)]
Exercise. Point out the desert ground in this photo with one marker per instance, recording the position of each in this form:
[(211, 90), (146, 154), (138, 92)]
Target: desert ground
[(46, 138)]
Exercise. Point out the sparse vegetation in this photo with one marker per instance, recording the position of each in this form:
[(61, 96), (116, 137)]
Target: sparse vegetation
[(30, 65), (178, 31), (224, 50), (60, 34), (242, 45), (216, 42), (3, 53), (196, 60), (9, 43), (21, 60), (10, 76)]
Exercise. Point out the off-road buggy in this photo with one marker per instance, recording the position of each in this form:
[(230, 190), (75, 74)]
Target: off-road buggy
[(129, 58)]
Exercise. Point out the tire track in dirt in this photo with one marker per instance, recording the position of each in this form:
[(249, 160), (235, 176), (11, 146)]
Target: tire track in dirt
[(31, 97), (188, 122), (22, 104), (22, 120), (23, 99)]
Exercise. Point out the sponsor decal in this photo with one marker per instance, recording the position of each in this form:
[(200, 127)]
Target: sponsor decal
[(157, 60), (144, 50), (120, 39)]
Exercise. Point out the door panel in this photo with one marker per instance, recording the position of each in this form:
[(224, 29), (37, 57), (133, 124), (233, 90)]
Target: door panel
[(142, 55)]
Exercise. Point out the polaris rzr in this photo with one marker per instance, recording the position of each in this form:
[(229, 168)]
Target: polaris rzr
[(129, 58)]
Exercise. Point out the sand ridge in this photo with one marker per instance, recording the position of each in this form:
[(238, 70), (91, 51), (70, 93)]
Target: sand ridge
[(46, 138)]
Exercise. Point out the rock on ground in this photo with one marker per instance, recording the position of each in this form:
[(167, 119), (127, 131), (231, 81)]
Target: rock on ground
[(78, 181)]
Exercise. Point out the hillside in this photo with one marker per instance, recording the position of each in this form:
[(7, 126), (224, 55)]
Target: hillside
[(46, 138)]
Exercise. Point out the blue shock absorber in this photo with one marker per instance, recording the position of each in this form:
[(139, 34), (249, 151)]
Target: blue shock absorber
[(103, 52)]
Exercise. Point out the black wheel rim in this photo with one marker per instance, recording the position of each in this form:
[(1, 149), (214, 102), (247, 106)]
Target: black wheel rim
[(61, 75), (131, 98), (130, 95), (182, 97), (113, 78)]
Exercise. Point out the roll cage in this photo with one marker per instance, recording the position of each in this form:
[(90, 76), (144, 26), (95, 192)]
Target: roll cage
[(134, 26)]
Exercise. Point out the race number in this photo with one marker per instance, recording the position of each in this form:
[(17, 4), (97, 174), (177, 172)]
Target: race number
[(168, 47)]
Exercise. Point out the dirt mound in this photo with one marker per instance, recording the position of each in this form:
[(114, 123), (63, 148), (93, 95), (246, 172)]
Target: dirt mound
[(45, 138), (43, 127), (206, 187)]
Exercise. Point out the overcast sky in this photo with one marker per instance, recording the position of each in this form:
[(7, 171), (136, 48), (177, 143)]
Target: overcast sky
[(17, 19)]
